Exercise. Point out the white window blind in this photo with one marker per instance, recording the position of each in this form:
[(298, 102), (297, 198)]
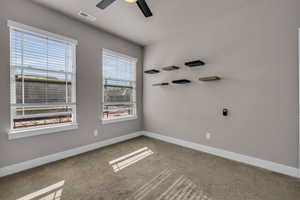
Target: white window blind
[(119, 81), (42, 80)]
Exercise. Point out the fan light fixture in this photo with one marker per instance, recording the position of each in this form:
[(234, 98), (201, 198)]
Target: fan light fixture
[(140, 3), (131, 1)]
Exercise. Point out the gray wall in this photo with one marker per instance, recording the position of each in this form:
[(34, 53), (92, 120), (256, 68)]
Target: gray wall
[(254, 49), (89, 91)]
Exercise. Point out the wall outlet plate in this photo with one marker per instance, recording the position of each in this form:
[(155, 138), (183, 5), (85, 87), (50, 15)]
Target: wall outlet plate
[(208, 136), (96, 132)]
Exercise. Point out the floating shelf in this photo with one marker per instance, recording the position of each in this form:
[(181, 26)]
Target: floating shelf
[(195, 63), (161, 84), (170, 68), (152, 71), (209, 78), (181, 81)]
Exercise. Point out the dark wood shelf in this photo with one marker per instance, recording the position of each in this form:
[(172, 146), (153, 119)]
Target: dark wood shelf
[(181, 81), (210, 78), (152, 71), (195, 63), (170, 68), (160, 84)]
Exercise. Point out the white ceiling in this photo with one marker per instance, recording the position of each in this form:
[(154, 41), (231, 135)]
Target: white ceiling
[(170, 17)]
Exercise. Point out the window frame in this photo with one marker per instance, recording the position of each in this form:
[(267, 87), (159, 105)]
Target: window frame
[(50, 128), (124, 118)]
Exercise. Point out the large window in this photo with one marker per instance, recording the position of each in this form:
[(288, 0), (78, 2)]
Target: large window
[(119, 86), (42, 69)]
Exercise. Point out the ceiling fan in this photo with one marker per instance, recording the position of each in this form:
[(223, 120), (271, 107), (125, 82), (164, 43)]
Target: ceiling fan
[(141, 4)]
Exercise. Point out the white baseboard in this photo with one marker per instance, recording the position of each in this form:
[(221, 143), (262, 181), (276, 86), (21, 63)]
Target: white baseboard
[(279, 168), (62, 155), (283, 169)]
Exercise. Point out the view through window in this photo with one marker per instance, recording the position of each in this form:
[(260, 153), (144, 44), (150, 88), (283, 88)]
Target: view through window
[(42, 80), (119, 82)]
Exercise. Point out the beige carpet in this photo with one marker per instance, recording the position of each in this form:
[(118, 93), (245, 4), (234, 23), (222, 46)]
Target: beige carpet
[(147, 169)]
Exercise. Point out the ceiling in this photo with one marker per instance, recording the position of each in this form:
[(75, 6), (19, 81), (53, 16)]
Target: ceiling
[(170, 17)]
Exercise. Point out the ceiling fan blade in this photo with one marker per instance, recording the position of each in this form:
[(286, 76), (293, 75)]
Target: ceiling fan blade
[(144, 8), (104, 3)]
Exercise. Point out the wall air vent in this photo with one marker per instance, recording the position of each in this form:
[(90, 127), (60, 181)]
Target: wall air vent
[(87, 16)]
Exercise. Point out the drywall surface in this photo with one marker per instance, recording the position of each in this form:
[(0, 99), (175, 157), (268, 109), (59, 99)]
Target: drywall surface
[(89, 83), (254, 48)]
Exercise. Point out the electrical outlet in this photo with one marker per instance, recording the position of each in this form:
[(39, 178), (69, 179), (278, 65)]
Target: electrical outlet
[(96, 132), (208, 136)]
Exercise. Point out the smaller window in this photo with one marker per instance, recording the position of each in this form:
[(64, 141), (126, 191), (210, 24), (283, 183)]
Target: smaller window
[(119, 86)]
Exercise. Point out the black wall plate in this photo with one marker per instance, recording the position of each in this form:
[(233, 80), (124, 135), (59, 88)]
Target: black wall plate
[(195, 63), (181, 81), (225, 112)]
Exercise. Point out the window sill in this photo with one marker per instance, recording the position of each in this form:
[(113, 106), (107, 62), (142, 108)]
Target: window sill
[(121, 119), (15, 134)]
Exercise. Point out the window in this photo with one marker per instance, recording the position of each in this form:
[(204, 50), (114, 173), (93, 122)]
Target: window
[(119, 86), (42, 79)]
